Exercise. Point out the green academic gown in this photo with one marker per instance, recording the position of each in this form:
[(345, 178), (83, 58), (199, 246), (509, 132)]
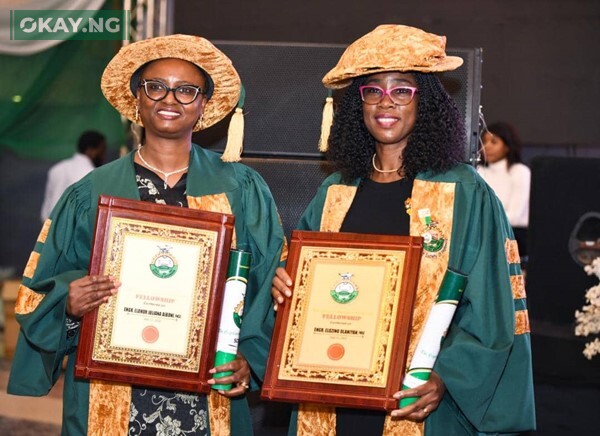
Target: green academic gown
[(485, 359), (64, 254)]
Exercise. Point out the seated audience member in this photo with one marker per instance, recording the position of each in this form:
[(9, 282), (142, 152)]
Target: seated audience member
[(510, 179)]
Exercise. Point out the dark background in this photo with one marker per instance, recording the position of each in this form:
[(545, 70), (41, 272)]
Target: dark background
[(541, 57)]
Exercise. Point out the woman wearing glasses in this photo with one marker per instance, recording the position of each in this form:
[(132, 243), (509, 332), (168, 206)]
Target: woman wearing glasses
[(397, 142), (171, 86)]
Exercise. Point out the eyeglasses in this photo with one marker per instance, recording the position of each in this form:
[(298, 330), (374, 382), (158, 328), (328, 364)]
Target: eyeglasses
[(157, 90), (400, 95)]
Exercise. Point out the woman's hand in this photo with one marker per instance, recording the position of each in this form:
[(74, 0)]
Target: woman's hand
[(240, 377), (280, 287), (430, 394), (89, 292)]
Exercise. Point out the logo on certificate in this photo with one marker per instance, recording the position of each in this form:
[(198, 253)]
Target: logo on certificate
[(345, 291), (163, 264)]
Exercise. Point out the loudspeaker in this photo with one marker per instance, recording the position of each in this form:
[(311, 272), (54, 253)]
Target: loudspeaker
[(285, 96), (562, 191), (293, 183)]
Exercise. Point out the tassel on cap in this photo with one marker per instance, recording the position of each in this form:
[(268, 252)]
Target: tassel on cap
[(235, 134), (326, 122)]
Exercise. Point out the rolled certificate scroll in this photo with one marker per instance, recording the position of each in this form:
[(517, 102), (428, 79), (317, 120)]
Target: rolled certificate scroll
[(232, 311), (436, 326)]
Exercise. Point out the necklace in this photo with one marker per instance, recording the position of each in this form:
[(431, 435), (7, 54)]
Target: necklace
[(383, 171), (165, 174)]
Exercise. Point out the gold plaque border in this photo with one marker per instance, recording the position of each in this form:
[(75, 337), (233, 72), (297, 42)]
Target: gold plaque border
[(120, 228), (378, 374)]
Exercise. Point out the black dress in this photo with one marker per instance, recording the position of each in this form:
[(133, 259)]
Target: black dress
[(377, 208)]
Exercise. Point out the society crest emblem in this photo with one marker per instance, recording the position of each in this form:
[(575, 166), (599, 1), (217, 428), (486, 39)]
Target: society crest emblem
[(345, 291), (434, 241), (164, 264)]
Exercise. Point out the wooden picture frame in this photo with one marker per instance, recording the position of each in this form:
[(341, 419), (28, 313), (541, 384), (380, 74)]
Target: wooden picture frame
[(161, 327), (342, 338)]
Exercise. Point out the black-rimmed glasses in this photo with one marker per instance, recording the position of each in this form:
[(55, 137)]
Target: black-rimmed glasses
[(157, 90), (400, 95)]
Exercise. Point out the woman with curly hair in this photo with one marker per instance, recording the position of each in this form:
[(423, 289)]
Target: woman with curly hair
[(436, 141), (397, 143)]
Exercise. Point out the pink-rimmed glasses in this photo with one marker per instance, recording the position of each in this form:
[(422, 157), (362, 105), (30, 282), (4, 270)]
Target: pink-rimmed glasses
[(400, 95)]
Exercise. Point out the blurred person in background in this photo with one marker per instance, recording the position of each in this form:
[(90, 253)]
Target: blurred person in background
[(510, 179), (91, 148)]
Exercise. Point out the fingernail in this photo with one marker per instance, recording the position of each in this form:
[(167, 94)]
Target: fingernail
[(289, 283), (280, 300), (288, 293)]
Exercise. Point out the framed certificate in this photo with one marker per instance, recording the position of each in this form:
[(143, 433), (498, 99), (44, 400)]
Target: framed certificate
[(342, 338), (160, 329)]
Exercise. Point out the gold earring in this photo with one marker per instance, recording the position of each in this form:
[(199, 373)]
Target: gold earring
[(137, 114), (198, 124)]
